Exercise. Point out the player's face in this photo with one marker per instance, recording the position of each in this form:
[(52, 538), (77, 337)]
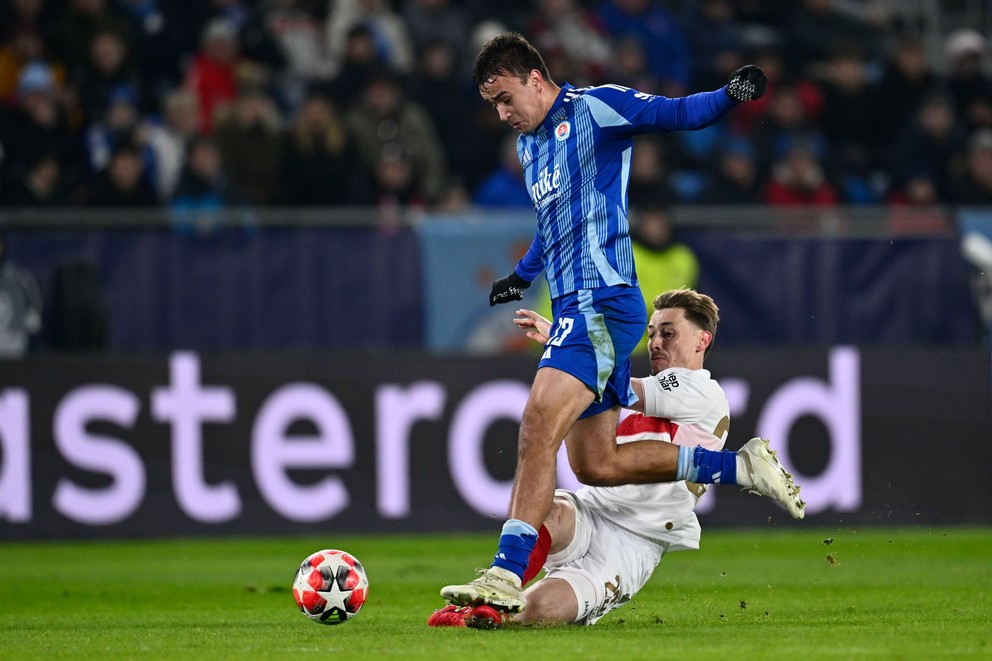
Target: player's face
[(520, 103), (675, 342)]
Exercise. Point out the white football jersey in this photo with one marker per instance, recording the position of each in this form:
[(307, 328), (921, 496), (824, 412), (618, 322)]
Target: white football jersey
[(682, 406)]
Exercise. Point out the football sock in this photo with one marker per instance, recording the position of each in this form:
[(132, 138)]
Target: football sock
[(538, 556), (515, 544), (706, 466)]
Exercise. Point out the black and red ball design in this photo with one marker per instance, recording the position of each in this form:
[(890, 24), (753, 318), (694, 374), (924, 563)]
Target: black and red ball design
[(330, 586)]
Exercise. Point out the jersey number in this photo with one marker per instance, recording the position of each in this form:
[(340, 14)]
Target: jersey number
[(563, 328)]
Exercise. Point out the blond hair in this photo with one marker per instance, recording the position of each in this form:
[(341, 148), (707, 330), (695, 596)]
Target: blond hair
[(700, 310)]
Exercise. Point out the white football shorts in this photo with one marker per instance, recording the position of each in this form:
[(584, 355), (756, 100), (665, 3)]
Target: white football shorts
[(605, 564)]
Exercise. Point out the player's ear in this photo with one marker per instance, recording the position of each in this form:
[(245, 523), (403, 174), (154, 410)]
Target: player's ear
[(704, 341)]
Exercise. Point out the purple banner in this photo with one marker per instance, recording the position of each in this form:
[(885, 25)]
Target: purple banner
[(186, 444)]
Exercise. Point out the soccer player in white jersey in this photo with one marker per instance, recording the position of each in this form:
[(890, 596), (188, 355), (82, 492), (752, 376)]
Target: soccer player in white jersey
[(605, 542), (575, 147)]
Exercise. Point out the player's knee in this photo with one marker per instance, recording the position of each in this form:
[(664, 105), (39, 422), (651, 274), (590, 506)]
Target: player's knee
[(543, 608)]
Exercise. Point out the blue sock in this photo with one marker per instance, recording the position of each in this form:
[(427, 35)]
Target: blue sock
[(706, 466), (515, 545)]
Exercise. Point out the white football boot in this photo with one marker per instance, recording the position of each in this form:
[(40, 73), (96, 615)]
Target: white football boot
[(767, 477), (495, 586)]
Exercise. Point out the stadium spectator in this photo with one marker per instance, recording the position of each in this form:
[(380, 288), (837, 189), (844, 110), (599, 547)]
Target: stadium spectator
[(204, 188), (974, 186), (389, 33), (816, 28), (750, 117), (359, 62), (906, 80), (716, 41), (438, 88), (629, 66), (505, 186), (37, 126), (16, 15), (78, 26), (788, 119), (566, 136), (39, 183), (319, 158), (932, 140), (397, 186), (165, 36), (170, 137), (566, 28), (300, 37), (735, 178), (21, 47), (455, 198), (847, 123), (212, 75), (799, 179), (122, 183), (249, 135), (385, 115), (914, 206), (107, 68), (119, 122), (661, 36), (649, 173), (243, 17), (432, 21), (966, 52), (600, 545)]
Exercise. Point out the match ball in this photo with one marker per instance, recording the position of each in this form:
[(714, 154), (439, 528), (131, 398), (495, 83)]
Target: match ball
[(330, 586)]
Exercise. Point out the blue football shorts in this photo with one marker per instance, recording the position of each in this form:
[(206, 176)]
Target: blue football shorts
[(591, 338)]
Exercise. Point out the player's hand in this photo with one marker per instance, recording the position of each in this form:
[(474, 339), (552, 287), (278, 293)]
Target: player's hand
[(508, 289), (747, 83), (540, 328)]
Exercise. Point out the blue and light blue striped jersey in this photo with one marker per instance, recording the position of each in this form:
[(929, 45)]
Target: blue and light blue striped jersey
[(577, 166)]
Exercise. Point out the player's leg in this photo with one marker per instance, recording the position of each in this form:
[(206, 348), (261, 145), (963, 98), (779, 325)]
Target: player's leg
[(556, 400), (754, 468), (592, 329), (553, 536), (598, 460), (600, 569)]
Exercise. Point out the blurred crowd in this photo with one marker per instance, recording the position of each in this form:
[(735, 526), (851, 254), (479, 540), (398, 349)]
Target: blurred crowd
[(204, 104)]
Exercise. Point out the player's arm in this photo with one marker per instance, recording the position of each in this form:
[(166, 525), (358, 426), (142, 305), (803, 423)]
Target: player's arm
[(637, 112), (512, 286), (673, 393)]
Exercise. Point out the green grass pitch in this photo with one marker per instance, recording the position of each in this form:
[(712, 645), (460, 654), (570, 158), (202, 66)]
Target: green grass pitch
[(800, 594)]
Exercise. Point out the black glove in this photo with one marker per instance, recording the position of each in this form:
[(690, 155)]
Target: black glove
[(508, 289), (747, 83)]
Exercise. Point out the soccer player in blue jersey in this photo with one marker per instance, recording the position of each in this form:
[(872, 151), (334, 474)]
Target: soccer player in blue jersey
[(575, 147)]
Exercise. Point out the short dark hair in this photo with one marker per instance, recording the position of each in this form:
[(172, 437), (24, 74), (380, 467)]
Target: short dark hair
[(508, 54)]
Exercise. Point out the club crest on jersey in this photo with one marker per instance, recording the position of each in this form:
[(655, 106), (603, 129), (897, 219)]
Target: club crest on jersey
[(562, 131)]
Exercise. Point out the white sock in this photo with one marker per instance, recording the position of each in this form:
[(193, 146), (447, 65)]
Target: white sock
[(743, 472)]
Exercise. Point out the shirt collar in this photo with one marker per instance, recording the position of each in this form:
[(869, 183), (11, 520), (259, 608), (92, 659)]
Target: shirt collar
[(559, 101)]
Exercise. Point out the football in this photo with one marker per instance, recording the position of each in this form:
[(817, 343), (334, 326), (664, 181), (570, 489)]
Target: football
[(330, 586)]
